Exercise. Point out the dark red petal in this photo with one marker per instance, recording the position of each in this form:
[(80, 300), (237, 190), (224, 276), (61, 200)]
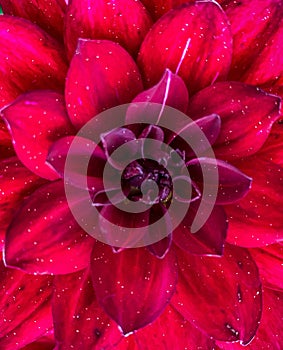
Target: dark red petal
[(231, 183), (222, 295), (209, 240), (158, 8), (132, 286), (79, 321), (80, 152), (35, 120), (16, 182), (25, 308), (237, 104), (49, 15), (269, 334), (161, 248), (257, 220), (102, 75), (170, 91), (52, 240), (193, 41), (125, 21), (270, 263), (43, 343), (38, 62), (257, 48)]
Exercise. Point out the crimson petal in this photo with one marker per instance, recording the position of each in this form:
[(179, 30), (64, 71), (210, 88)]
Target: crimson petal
[(39, 56), (161, 248), (49, 15), (158, 8), (125, 22), (221, 294), (259, 214), (237, 104), (193, 41), (25, 308), (35, 120), (209, 240), (52, 240), (138, 287), (101, 75)]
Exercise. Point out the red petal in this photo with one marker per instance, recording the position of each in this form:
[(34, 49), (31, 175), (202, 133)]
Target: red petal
[(158, 8), (257, 220), (16, 182), (53, 241), (79, 321), (193, 41), (38, 62), (270, 263), (138, 287), (49, 15), (35, 120), (125, 22), (25, 308), (209, 240), (42, 344), (269, 335), (161, 248), (237, 104), (231, 183), (257, 48), (102, 75), (222, 295)]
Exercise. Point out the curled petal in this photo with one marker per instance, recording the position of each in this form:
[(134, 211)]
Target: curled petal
[(25, 308), (221, 294), (193, 41), (53, 241), (38, 55), (101, 75), (237, 104), (125, 21), (138, 288), (35, 120), (49, 15)]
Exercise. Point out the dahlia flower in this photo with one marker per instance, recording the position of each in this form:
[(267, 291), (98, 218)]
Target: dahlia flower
[(190, 93)]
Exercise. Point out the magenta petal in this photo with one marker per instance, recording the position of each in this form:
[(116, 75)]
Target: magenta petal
[(132, 286), (79, 321), (50, 235), (35, 120), (25, 308), (39, 56), (260, 212), (221, 294), (125, 22), (116, 138), (193, 41), (83, 154), (227, 100), (232, 184), (49, 15), (101, 75), (209, 240)]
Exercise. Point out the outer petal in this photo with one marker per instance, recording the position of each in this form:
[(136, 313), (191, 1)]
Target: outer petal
[(35, 120), (237, 104), (221, 295), (25, 312), (43, 343), (125, 21), (38, 62), (102, 75), (52, 240), (193, 41), (138, 287), (257, 36), (158, 8), (16, 182), (232, 184), (49, 15), (270, 263), (209, 240), (257, 220)]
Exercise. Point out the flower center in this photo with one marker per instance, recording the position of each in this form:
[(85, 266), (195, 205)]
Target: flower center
[(148, 181)]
